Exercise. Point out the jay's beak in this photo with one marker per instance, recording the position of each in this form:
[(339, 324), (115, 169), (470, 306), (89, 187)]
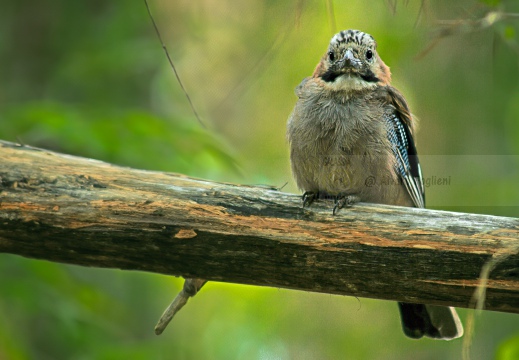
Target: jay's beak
[(350, 62)]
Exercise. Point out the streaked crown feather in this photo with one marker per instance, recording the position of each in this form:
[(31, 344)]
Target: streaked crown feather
[(355, 36)]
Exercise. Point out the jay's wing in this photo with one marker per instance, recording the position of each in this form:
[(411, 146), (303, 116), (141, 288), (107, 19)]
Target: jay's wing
[(400, 134), (407, 164)]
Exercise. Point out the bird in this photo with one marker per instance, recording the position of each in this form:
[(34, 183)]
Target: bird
[(351, 139)]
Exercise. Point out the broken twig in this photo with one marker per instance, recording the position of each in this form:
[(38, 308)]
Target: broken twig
[(191, 287)]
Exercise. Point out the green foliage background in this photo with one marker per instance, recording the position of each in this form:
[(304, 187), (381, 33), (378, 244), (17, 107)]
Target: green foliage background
[(90, 78)]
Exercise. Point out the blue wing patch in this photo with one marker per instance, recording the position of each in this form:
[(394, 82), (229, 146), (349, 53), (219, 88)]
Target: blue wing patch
[(398, 139), (407, 164)]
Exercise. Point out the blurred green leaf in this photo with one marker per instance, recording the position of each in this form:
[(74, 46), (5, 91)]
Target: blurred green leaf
[(491, 2), (509, 32), (509, 349), (127, 137)]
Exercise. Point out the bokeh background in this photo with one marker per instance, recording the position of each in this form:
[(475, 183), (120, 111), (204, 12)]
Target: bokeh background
[(90, 78)]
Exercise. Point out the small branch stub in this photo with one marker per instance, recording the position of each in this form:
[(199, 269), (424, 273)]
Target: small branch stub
[(190, 289)]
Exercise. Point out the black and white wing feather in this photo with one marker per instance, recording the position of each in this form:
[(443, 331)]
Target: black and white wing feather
[(407, 164)]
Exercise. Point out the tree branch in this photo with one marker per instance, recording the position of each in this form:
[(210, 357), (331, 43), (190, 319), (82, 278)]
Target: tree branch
[(86, 212)]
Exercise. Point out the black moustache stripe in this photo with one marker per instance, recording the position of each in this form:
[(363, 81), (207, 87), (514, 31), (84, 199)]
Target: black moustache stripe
[(369, 77), (330, 76)]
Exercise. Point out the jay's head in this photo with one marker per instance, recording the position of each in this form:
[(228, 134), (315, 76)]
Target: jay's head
[(352, 63)]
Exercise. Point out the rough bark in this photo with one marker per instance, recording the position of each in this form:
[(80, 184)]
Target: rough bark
[(74, 210)]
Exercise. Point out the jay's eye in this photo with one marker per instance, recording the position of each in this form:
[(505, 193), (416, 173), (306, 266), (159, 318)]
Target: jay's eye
[(369, 54), (331, 56)]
